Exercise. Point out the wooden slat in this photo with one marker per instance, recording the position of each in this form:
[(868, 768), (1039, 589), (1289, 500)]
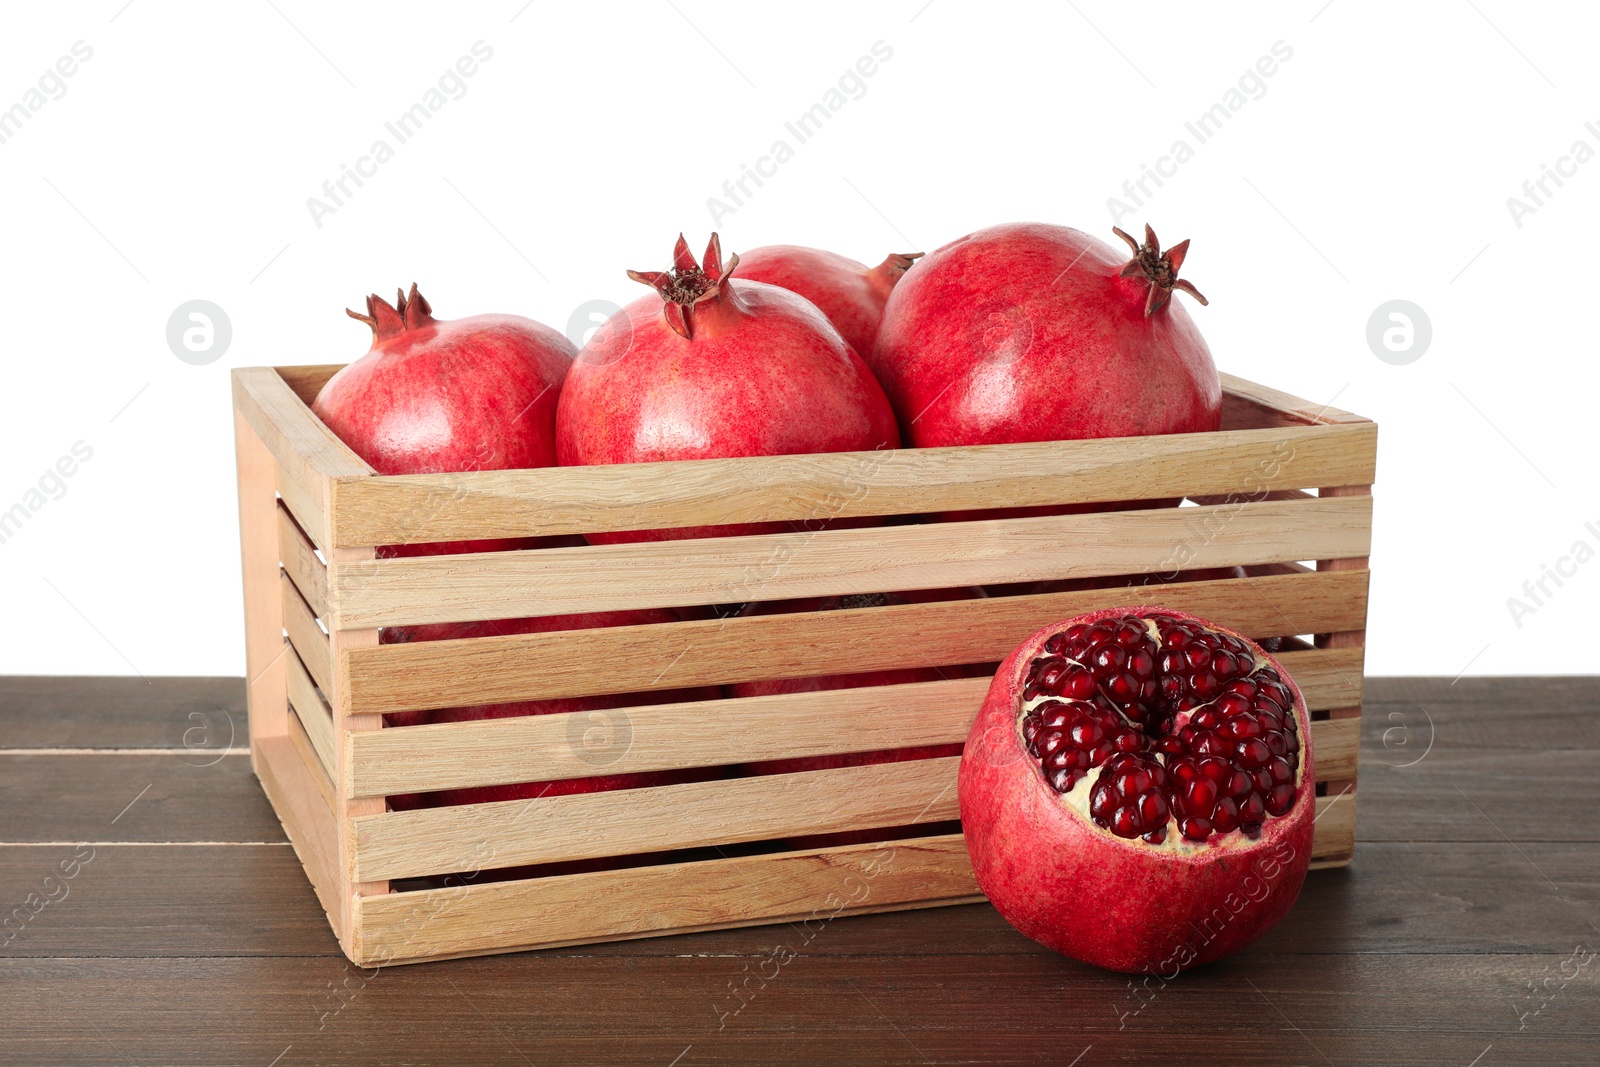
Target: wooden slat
[(706, 733), (308, 512), (301, 564), (1333, 840), (672, 898), (658, 819), (420, 759), (1335, 744), (307, 381), (1248, 405), (444, 674), (309, 455), (258, 549), (1333, 674), (288, 780), (312, 712), (552, 581), (309, 756), (443, 507), (306, 636)]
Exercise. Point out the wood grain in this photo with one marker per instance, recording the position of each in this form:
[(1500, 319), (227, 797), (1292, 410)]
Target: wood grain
[(312, 714), (300, 563), (288, 778), (258, 553), (459, 673), (446, 507), (1247, 404), (552, 581), (308, 454), (657, 819), (798, 887), (305, 635), (529, 748), (111, 712)]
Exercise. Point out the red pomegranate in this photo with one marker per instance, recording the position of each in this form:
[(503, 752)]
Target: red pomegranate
[(1137, 791), (1028, 332), (435, 396), (851, 294), (547, 706), (715, 367)]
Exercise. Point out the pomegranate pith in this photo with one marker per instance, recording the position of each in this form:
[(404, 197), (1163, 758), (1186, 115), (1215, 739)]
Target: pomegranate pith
[(1129, 770)]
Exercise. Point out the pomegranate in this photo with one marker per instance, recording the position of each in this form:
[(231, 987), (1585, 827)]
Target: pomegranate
[(435, 396), (715, 367), (1028, 332), (1137, 791), (851, 294), (547, 706)]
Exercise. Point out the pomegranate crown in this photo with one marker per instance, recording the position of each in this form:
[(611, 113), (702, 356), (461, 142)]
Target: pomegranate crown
[(1159, 268), (688, 282), (406, 313)]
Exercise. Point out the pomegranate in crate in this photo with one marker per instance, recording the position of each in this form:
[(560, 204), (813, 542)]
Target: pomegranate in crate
[(851, 294)]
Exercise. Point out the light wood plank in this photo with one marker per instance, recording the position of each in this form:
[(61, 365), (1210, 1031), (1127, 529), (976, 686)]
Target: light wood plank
[(308, 754), (1247, 404), (659, 819), (307, 381), (706, 733), (447, 507), (1336, 747), (308, 453), (263, 609), (445, 674), (1334, 838), (552, 581), (799, 887), (420, 759), (314, 715), (301, 564), (306, 636), (289, 782)]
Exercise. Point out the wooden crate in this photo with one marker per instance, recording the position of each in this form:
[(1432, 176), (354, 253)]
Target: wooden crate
[(1283, 489)]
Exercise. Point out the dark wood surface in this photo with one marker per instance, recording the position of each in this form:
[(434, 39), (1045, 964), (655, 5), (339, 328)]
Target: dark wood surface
[(1464, 934)]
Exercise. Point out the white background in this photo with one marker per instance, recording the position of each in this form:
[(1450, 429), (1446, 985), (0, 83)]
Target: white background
[(1376, 166)]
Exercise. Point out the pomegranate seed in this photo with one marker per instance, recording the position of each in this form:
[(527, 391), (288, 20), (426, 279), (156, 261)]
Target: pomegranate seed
[(1280, 800), (1181, 726)]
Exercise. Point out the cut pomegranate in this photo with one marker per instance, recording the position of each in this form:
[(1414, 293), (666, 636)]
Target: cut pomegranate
[(1138, 792)]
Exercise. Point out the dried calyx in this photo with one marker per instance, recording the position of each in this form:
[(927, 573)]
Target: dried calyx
[(1159, 268), (406, 313), (688, 283)]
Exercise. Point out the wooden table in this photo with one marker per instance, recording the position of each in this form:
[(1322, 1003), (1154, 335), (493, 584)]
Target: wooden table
[(1464, 934)]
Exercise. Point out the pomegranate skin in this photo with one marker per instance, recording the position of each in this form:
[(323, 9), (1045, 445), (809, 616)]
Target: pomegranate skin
[(436, 396), (852, 295), (756, 371), (1104, 900), (1030, 332)]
